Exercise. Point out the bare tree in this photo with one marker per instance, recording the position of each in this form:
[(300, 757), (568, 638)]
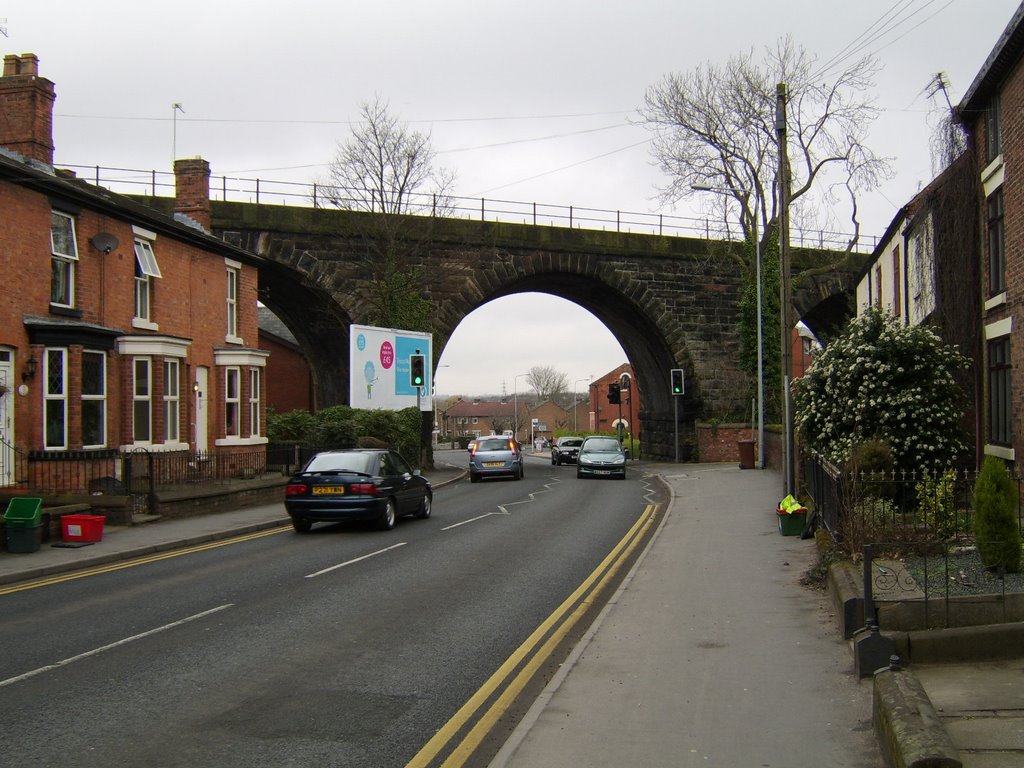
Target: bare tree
[(387, 167), (547, 382), (715, 127)]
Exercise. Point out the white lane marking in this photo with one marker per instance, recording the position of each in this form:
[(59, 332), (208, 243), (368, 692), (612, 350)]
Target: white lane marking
[(472, 520), (101, 649), (502, 507), (356, 560)]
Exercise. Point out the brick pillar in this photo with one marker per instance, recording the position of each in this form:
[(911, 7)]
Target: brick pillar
[(26, 109), (192, 190)]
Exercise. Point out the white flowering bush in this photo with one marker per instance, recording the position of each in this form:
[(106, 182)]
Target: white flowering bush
[(881, 380)]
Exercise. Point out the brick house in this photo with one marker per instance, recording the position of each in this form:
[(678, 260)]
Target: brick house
[(121, 329), (992, 111), (604, 415), (476, 417), (290, 383)]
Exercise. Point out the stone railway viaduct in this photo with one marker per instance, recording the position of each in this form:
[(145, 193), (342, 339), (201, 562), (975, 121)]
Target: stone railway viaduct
[(670, 301)]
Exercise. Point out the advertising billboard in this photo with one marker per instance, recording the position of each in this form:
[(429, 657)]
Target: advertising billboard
[(380, 375)]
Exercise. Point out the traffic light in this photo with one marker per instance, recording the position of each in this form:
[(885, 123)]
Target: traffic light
[(613, 393), (417, 376), (677, 381)]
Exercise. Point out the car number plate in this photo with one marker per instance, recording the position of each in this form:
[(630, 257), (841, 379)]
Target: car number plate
[(319, 490), (602, 471), (494, 463)]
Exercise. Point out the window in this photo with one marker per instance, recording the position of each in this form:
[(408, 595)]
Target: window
[(896, 293), (172, 400), (64, 252), (254, 402), (1000, 416), (232, 302), (55, 399), (146, 269), (142, 400), (996, 244), (94, 399), (232, 401), (994, 129)]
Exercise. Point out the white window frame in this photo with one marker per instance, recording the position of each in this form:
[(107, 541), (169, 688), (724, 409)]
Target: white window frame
[(99, 397), (55, 397), (232, 401), (62, 259), (146, 268), (234, 277), (241, 359), (254, 402), (142, 397), (172, 400)]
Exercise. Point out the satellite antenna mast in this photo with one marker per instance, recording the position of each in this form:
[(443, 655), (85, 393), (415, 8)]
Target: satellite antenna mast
[(175, 109), (3, 27)]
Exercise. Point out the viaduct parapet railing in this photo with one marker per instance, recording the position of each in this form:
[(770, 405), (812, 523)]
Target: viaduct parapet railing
[(316, 195)]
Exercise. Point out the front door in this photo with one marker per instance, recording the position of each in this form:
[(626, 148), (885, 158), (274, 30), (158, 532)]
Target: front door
[(6, 417), (202, 407)]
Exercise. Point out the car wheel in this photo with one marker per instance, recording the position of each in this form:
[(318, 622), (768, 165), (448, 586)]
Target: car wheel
[(579, 475), (474, 478), (387, 517), (553, 461), (424, 511), (301, 525)]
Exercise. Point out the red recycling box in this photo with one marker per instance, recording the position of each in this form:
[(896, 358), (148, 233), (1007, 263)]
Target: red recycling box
[(82, 527)]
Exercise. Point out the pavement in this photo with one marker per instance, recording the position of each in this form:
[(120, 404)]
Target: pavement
[(712, 652)]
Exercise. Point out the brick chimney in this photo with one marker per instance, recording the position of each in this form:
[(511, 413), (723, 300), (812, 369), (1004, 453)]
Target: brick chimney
[(26, 109), (192, 190)]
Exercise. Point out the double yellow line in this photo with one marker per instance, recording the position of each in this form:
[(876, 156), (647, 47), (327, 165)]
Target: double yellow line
[(535, 651), (122, 564)]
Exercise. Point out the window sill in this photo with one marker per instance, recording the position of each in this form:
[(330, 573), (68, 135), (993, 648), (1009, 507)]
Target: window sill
[(1001, 451), (229, 339), (240, 441), (996, 301), (59, 309), (146, 325)]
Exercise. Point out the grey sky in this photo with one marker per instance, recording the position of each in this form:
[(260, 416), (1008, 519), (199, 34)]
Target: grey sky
[(527, 101)]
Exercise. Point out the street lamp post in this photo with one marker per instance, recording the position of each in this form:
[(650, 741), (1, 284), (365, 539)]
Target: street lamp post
[(515, 403), (576, 403), (760, 316)]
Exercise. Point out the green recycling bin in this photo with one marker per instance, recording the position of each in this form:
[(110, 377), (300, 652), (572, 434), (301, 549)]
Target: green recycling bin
[(23, 524), (23, 512)]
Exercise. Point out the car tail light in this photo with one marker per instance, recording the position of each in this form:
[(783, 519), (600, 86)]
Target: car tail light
[(295, 489), (366, 489)]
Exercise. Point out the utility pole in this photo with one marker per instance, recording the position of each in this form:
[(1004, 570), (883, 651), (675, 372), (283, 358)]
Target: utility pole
[(785, 291)]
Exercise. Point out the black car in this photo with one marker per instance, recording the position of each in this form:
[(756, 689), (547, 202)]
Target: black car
[(566, 450), (356, 484)]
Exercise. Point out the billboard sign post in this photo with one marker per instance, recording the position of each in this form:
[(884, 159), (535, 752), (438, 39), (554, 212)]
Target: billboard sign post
[(382, 365)]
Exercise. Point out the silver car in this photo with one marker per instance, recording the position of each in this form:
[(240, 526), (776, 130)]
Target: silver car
[(495, 456), (601, 457)]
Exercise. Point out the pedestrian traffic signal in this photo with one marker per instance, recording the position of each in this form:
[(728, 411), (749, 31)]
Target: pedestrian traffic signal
[(417, 374), (677, 381), (613, 393)]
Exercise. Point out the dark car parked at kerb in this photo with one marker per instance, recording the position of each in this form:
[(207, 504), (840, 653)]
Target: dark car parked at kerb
[(356, 484), (566, 450)]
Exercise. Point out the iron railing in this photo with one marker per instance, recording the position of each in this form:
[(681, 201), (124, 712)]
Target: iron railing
[(939, 585), (316, 195), (110, 471), (905, 505)]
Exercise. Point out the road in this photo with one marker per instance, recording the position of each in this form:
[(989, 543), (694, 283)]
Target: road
[(343, 647)]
